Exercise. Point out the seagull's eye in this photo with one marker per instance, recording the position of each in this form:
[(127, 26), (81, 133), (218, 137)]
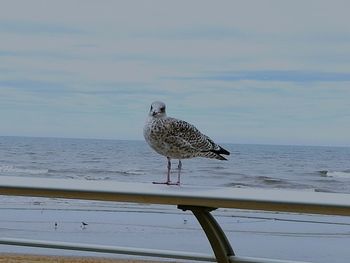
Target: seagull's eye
[(162, 109), (151, 108)]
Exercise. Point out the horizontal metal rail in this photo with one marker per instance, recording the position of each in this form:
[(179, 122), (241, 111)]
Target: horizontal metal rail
[(132, 251), (219, 197)]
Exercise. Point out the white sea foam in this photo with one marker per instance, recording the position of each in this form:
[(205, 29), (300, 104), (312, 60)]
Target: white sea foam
[(6, 169), (337, 174)]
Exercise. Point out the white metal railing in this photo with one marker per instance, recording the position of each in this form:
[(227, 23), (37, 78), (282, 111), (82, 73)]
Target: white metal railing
[(201, 201)]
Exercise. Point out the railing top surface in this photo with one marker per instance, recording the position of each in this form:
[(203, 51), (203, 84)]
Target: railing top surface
[(218, 197)]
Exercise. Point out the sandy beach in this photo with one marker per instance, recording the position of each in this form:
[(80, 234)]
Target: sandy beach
[(27, 258)]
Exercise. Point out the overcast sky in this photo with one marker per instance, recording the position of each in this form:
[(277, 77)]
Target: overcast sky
[(275, 72)]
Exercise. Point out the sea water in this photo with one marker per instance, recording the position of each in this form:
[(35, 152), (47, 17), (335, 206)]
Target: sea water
[(324, 169)]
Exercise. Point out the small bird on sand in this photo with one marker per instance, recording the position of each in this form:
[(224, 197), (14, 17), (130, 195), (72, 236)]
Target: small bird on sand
[(83, 225), (177, 139)]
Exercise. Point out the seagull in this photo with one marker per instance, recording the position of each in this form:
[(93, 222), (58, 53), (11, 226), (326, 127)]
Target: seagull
[(177, 139), (83, 225)]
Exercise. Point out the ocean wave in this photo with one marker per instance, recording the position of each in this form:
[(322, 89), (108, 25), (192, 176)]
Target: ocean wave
[(95, 178), (21, 170), (96, 172), (336, 174), (115, 172), (109, 174), (271, 181)]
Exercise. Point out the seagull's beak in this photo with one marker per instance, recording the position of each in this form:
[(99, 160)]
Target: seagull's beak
[(155, 113)]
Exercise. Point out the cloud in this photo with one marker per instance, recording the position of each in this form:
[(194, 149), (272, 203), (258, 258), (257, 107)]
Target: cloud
[(30, 27), (202, 32), (46, 54), (272, 75), (38, 86), (93, 89)]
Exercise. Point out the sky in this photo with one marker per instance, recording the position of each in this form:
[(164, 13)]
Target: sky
[(267, 72)]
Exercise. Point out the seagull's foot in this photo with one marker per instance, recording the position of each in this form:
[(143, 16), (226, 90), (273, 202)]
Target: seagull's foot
[(167, 183)]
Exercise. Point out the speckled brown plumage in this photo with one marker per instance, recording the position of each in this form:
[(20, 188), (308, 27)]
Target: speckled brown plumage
[(177, 139)]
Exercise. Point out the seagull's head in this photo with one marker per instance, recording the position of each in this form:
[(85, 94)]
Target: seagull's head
[(157, 109)]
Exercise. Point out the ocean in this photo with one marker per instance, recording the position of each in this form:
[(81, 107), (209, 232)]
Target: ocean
[(325, 169), (317, 238)]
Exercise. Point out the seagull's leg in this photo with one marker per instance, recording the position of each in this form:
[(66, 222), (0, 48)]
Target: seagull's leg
[(168, 174), (169, 168), (179, 172)]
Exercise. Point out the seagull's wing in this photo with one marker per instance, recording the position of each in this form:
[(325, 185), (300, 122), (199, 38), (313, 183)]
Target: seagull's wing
[(187, 135)]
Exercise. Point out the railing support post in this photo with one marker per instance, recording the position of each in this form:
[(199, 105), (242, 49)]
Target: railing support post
[(216, 236)]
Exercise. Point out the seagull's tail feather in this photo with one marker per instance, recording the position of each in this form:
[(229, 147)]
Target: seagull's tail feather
[(220, 157), (216, 154), (221, 151)]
